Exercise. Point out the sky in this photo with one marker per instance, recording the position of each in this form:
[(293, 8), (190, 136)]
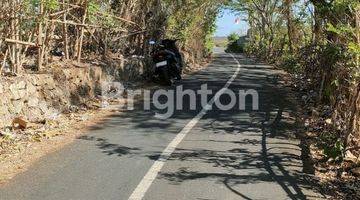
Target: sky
[(226, 24)]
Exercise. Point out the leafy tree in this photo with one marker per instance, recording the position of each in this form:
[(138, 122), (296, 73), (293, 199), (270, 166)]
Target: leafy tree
[(318, 38)]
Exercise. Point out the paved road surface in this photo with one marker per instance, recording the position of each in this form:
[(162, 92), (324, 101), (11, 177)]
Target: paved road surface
[(224, 155)]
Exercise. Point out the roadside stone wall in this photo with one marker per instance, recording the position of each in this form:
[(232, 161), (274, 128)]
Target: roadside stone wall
[(38, 96), (65, 88)]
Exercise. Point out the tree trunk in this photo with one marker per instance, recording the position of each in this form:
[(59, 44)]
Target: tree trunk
[(357, 29), (82, 29), (39, 37), (12, 27), (354, 124), (17, 37), (65, 33), (317, 32), (290, 24)]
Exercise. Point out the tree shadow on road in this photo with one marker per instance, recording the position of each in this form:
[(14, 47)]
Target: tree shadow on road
[(274, 130), (278, 128), (110, 148)]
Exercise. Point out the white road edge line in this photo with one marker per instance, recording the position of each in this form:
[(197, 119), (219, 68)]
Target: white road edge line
[(144, 185)]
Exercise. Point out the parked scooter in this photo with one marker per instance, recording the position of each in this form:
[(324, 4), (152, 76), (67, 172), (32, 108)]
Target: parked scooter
[(167, 61)]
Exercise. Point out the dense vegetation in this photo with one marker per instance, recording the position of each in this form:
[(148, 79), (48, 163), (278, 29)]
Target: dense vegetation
[(193, 23), (236, 44), (320, 40), (33, 30)]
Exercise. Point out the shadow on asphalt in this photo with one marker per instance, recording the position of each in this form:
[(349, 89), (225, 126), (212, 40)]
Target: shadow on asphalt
[(276, 124)]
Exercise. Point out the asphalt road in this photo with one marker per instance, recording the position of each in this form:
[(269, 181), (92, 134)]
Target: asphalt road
[(214, 155)]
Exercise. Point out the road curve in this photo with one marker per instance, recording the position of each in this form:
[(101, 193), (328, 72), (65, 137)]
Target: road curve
[(221, 155)]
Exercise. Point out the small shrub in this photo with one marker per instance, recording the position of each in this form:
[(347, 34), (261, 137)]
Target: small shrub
[(234, 47), (233, 37), (332, 146), (290, 63), (335, 151), (234, 44)]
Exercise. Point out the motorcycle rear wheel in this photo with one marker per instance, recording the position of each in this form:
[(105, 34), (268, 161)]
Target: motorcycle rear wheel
[(165, 77)]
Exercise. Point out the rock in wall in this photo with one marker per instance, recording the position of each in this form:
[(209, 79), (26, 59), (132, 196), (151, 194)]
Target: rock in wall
[(38, 96)]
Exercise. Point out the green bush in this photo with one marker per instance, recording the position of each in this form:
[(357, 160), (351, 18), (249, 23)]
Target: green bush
[(234, 47), (233, 44), (233, 37), (290, 63)]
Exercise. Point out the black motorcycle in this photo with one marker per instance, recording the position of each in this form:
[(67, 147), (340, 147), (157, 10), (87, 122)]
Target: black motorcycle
[(167, 61)]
